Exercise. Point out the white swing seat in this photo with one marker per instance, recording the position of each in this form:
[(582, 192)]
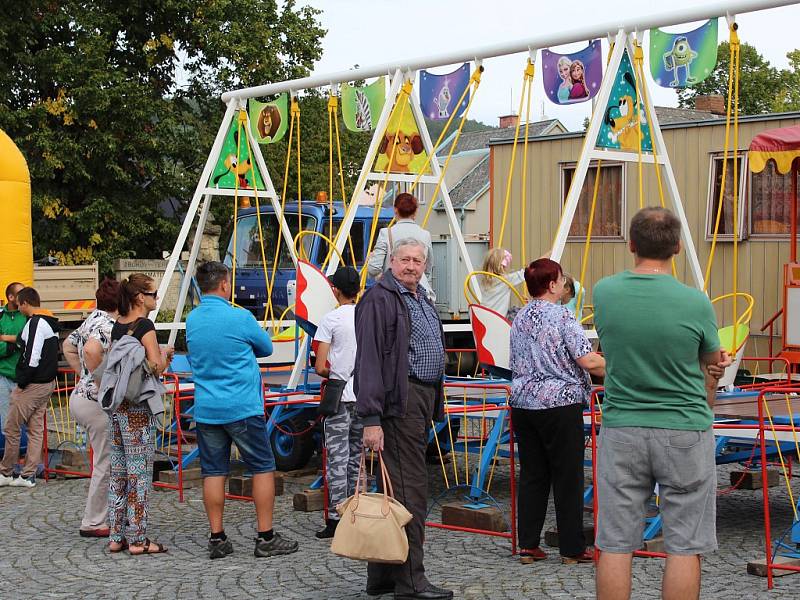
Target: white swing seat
[(315, 297), (492, 333)]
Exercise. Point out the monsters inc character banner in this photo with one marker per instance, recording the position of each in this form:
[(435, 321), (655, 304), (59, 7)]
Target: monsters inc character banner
[(624, 117), (683, 59), (269, 122), (362, 106), (576, 77), (438, 94)]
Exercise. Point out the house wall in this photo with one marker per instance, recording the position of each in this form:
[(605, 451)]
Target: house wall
[(689, 147)]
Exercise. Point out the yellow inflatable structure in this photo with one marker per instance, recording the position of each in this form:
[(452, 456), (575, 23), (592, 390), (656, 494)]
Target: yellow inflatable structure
[(16, 243)]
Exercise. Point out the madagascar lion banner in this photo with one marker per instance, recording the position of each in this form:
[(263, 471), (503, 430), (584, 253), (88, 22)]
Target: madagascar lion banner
[(402, 131), (269, 121)]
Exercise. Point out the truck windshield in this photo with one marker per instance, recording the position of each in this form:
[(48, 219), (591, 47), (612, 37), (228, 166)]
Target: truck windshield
[(248, 251)]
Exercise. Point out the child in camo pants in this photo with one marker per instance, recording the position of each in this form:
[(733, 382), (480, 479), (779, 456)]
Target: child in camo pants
[(336, 356)]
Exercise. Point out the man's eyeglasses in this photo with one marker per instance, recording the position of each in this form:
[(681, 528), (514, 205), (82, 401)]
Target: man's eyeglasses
[(151, 294)]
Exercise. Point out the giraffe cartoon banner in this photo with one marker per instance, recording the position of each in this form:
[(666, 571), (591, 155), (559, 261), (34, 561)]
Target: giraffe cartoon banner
[(402, 130), (572, 78), (269, 121), (680, 60), (623, 119), (235, 163), (438, 94), (362, 106)]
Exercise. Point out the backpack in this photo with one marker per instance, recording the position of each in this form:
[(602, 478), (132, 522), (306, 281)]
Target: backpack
[(139, 374)]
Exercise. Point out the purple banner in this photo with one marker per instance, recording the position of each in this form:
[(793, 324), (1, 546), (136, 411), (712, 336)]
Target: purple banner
[(438, 94), (571, 78)]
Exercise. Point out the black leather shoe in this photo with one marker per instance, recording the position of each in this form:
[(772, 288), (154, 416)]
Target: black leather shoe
[(380, 590), (432, 593)]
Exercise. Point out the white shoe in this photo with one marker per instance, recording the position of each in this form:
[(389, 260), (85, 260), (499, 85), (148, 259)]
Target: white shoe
[(23, 482), (4, 481)]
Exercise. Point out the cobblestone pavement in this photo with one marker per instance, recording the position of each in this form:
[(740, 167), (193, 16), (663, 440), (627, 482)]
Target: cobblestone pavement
[(41, 555)]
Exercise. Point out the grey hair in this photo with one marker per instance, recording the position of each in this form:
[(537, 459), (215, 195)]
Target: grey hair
[(409, 242), (210, 275)]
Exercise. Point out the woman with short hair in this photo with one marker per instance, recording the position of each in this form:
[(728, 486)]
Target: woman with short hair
[(550, 357), (83, 350)]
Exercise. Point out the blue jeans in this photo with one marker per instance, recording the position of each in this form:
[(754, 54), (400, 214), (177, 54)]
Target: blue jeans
[(250, 437)]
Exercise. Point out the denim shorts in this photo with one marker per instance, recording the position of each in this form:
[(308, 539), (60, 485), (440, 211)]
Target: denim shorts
[(630, 461), (250, 437)]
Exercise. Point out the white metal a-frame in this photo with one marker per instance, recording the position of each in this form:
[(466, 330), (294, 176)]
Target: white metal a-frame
[(590, 153)]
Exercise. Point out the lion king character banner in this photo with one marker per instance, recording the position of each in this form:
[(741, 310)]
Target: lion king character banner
[(410, 155), (438, 94), (619, 130), (680, 60), (231, 168), (269, 121), (571, 78), (362, 106)]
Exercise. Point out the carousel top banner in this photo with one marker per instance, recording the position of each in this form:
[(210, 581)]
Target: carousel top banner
[(438, 94), (575, 77)]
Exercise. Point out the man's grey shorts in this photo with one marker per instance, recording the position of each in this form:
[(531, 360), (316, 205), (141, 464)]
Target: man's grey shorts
[(630, 461)]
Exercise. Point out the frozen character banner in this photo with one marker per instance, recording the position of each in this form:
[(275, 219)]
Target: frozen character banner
[(362, 106), (438, 94), (235, 167), (571, 78), (680, 60), (622, 121), (269, 121)]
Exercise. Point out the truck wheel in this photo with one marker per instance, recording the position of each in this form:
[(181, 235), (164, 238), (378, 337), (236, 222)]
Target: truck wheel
[(292, 451)]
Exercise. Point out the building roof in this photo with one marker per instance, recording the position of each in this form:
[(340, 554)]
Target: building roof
[(476, 140), (671, 114), (678, 124), (474, 183)]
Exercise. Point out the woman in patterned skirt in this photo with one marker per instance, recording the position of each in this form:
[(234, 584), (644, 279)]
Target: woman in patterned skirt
[(550, 357), (132, 427)]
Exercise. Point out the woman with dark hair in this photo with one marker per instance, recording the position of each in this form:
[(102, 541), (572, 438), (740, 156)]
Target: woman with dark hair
[(405, 211), (550, 357), (132, 427), (83, 350)]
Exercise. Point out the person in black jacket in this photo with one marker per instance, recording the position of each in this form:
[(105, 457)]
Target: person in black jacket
[(398, 384), (36, 379)]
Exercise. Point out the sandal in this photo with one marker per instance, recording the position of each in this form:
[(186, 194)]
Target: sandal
[(123, 545), (145, 546)]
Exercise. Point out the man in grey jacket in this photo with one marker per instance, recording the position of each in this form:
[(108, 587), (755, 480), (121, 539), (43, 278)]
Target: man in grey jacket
[(398, 383)]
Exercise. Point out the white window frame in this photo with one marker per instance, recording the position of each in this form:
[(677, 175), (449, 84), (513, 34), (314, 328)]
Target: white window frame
[(743, 220), (623, 237)]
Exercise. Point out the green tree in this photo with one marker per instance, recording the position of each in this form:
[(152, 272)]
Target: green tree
[(788, 98), (759, 82), (115, 105)]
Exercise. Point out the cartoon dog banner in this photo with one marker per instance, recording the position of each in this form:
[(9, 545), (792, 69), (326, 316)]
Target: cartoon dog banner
[(680, 60), (571, 78), (269, 121), (438, 94), (362, 106), (620, 129), (410, 155), (235, 162)]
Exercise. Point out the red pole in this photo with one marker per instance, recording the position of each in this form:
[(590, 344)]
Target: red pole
[(793, 249), (765, 488), (179, 429)]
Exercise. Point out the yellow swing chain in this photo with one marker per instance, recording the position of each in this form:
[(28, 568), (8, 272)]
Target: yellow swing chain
[(527, 80), (333, 128)]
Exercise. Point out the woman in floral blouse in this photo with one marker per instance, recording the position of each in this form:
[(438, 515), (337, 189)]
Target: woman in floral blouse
[(550, 357), (84, 349)]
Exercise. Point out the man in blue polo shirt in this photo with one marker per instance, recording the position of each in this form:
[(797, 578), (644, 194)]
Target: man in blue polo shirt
[(223, 343)]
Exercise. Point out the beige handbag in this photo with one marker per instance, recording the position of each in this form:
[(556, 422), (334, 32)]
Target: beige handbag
[(372, 526)]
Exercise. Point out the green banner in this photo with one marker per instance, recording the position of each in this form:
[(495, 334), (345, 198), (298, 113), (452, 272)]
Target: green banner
[(680, 60), (269, 120), (362, 106), (234, 162)]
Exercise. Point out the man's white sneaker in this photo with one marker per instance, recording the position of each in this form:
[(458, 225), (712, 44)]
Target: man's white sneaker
[(4, 480), (23, 482)]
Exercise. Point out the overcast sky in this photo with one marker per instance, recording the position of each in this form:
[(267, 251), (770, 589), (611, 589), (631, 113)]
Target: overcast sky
[(370, 32)]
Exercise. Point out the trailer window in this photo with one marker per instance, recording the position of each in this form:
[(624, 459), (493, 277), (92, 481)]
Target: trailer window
[(770, 203), (248, 249), (714, 186), (610, 206)]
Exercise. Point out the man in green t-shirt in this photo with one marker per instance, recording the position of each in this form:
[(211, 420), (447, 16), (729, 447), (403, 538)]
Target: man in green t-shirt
[(11, 323), (663, 362)]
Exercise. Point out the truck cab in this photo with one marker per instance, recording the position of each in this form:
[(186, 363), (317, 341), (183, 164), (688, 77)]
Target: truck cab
[(250, 285)]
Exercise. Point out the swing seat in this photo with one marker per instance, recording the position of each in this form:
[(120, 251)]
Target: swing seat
[(315, 297), (492, 333), (726, 343)]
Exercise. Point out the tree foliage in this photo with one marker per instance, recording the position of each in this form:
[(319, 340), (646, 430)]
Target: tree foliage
[(762, 87), (115, 105)]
